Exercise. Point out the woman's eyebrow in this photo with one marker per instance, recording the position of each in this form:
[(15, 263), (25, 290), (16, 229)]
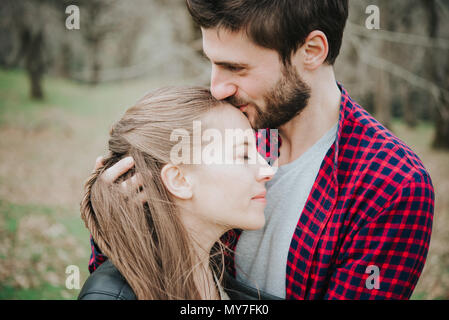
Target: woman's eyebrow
[(238, 144)]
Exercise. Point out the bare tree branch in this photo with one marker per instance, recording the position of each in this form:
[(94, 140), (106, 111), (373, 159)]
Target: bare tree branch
[(402, 73), (398, 37)]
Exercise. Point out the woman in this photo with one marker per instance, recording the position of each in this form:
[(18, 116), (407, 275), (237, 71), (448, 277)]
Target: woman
[(164, 238)]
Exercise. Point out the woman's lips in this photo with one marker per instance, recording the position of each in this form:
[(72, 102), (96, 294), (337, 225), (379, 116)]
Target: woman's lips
[(260, 197)]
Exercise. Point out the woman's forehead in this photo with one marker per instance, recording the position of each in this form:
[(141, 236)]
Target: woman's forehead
[(225, 117)]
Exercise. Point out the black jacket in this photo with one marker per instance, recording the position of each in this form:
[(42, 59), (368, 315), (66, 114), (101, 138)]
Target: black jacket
[(106, 283)]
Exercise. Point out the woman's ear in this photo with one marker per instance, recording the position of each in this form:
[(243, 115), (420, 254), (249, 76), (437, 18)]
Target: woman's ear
[(176, 182)]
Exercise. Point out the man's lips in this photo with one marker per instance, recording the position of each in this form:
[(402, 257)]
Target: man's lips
[(243, 107)]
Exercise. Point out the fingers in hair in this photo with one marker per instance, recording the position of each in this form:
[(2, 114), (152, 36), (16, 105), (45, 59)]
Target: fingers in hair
[(113, 173)]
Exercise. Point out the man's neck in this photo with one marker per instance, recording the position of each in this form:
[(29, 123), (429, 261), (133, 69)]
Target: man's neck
[(321, 113)]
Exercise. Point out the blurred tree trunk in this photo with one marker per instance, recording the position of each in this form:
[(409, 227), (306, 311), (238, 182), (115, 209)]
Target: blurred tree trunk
[(441, 139), (25, 20), (409, 109), (99, 22), (407, 93), (32, 45), (438, 72), (382, 99), (95, 61), (130, 40), (382, 95), (64, 69)]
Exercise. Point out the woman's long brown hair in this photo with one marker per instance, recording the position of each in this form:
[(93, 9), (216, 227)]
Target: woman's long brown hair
[(147, 241)]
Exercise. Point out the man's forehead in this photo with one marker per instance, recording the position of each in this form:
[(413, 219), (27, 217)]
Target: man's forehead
[(223, 44), (224, 35)]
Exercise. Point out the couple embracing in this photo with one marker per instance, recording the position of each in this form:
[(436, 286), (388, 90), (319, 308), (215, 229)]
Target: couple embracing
[(307, 215)]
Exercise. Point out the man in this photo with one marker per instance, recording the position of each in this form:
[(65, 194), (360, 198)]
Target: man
[(349, 212)]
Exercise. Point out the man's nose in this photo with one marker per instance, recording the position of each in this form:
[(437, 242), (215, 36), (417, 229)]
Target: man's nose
[(221, 86)]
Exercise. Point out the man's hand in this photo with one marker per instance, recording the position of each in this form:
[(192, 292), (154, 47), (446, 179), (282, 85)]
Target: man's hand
[(111, 174)]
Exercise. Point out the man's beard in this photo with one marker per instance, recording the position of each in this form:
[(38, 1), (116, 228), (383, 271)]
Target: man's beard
[(285, 101)]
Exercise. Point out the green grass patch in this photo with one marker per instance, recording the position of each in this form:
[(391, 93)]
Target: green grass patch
[(43, 292), (74, 97), (419, 296), (13, 212)]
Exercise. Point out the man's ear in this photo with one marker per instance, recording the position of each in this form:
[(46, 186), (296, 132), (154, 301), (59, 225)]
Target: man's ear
[(176, 181), (314, 50)]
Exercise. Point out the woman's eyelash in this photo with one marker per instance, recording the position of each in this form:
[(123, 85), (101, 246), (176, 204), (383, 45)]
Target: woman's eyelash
[(234, 69)]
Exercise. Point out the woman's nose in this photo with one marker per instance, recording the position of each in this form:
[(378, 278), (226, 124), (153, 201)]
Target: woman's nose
[(266, 172)]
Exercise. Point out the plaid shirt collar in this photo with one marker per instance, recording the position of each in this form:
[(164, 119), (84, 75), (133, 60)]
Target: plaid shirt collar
[(345, 112)]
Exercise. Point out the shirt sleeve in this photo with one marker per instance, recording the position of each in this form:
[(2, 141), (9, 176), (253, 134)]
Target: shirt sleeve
[(387, 255)]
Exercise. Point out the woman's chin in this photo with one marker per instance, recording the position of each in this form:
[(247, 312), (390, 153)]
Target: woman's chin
[(257, 222)]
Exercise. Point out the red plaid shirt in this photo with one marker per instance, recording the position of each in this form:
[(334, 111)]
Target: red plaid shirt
[(371, 205)]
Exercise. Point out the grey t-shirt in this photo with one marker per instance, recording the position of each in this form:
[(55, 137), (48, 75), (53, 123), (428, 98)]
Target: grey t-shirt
[(261, 255)]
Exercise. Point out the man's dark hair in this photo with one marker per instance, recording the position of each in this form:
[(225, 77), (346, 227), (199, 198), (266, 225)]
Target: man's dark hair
[(281, 25)]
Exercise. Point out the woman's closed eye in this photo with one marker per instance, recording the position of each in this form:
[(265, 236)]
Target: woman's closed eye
[(234, 69)]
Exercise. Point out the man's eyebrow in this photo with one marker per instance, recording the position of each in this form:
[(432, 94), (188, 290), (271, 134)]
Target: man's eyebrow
[(227, 64)]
